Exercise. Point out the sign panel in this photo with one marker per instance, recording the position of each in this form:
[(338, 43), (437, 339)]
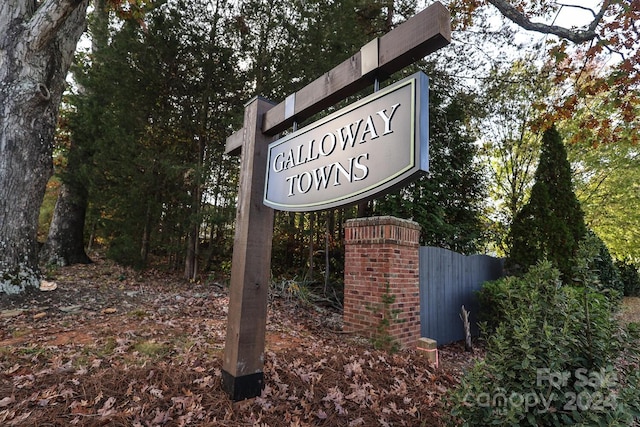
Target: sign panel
[(354, 154)]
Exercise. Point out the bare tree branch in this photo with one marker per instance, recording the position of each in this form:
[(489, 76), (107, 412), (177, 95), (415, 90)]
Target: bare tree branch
[(47, 19), (577, 36), (575, 6)]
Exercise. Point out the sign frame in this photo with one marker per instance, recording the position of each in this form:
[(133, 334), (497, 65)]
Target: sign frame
[(243, 362), (415, 151)]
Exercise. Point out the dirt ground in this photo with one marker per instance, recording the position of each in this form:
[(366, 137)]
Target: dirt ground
[(112, 346), (631, 310)]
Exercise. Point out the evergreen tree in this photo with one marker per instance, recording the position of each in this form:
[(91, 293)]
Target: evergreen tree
[(551, 225), (157, 107), (447, 201)]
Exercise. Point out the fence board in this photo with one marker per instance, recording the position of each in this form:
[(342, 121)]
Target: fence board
[(449, 280)]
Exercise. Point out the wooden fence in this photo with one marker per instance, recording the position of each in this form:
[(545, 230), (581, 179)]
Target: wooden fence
[(449, 280)]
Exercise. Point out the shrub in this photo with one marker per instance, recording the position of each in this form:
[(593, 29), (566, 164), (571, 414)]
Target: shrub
[(630, 278), (593, 264), (491, 297), (551, 359)]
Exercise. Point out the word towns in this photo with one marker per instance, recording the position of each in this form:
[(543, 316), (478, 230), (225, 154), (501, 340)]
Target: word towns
[(352, 154), (355, 168)]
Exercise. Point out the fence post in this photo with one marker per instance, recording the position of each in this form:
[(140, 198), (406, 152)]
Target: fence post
[(382, 258)]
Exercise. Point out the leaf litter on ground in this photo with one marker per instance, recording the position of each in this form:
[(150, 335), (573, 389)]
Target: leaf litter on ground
[(144, 348)]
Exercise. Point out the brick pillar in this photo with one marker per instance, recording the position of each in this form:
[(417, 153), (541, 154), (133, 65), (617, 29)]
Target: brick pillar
[(380, 251)]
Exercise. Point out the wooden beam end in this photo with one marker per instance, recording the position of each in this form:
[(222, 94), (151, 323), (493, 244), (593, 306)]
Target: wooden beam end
[(234, 143)]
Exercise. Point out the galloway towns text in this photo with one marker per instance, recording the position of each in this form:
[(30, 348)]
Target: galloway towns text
[(351, 154)]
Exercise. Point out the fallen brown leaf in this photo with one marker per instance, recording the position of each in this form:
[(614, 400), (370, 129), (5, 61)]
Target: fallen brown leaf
[(7, 401)]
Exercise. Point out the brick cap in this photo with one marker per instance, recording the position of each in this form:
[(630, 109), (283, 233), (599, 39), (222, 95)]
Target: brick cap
[(427, 343), (382, 220)]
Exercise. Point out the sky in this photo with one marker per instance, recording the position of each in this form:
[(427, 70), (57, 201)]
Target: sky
[(571, 16)]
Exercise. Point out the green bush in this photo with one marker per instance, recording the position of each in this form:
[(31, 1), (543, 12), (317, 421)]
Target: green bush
[(493, 298), (125, 251), (593, 264), (552, 360), (490, 299), (630, 278)]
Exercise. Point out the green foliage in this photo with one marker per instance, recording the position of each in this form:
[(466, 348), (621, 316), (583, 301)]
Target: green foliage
[(557, 357), (608, 272), (551, 224), (593, 264), (510, 149), (606, 174), (447, 201), (125, 250), (630, 278), (492, 298), (382, 339), (149, 128)]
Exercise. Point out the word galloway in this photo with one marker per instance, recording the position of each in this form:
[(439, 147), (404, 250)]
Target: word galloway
[(358, 132), (352, 154)]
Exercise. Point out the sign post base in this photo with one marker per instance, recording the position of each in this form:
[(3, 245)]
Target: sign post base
[(244, 387)]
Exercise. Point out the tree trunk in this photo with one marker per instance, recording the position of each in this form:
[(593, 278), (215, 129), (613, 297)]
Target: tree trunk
[(65, 243), (464, 315), (145, 241), (193, 238), (191, 259), (92, 235), (327, 260), (37, 42)]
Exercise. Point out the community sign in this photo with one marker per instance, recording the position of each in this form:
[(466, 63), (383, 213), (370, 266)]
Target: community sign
[(355, 154)]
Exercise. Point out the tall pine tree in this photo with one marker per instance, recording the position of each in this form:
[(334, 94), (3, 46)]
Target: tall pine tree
[(447, 201), (551, 224), (156, 108)]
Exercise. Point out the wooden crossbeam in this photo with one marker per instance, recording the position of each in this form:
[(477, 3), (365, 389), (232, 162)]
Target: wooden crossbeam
[(411, 41), (420, 35), (234, 142)]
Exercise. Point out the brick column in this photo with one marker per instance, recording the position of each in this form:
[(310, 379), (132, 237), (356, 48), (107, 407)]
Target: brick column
[(380, 251)]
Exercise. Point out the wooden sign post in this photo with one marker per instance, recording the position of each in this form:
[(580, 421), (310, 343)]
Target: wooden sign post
[(242, 375), (242, 369)]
